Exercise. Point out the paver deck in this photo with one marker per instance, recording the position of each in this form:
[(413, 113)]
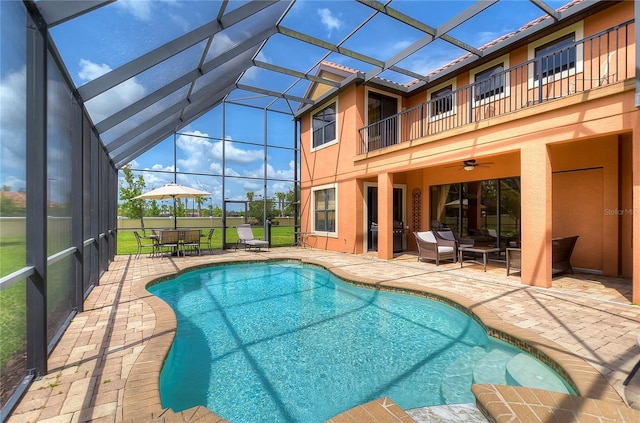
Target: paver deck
[(105, 367)]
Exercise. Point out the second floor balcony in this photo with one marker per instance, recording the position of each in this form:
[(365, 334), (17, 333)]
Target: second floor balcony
[(593, 62)]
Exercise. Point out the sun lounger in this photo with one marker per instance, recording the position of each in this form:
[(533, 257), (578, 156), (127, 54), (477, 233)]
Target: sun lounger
[(245, 237)]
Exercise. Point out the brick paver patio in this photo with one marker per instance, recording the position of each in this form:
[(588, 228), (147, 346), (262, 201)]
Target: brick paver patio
[(91, 368)]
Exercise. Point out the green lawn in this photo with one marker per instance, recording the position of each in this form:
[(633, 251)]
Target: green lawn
[(13, 325), (280, 237), (12, 254)]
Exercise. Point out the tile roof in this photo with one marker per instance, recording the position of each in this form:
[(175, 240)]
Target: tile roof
[(467, 55)]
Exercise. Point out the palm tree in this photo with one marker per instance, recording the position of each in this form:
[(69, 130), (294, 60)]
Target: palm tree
[(281, 197), (199, 201)]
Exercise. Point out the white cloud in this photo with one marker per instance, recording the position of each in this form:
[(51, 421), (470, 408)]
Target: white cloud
[(253, 73), (143, 9), (221, 43), (329, 21), (90, 71), (113, 100), (13, 124), (139, 9), (203, 153)]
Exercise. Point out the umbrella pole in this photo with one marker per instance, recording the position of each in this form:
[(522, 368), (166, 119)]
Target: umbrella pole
[(175, 214)]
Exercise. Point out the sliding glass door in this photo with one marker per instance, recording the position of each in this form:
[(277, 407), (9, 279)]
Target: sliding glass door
[(487, 211)]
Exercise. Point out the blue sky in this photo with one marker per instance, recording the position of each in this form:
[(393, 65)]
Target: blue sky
[(110, 36)]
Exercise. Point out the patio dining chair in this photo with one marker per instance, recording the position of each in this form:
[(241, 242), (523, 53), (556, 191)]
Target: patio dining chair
[(245, 237), (190, 241), (207, 242), (144, 244), (168, 241)]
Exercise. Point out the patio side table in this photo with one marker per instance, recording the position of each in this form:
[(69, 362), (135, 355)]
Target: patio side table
[(485, 251)]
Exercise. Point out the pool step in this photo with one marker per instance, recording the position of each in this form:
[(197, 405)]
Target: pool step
[(492, 368), (460, 373), (459, 413), (524, 370)]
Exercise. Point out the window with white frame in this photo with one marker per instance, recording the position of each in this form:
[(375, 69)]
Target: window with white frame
[(325, 209), (324, 126), (489, 83), (556, 57), (441, 102)]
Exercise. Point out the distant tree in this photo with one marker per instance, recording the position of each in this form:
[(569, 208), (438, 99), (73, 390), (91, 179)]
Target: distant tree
[(256, 209), (289, 209), (181, 211), (216, 212), (154, 209), (8, 207), (130, 188)]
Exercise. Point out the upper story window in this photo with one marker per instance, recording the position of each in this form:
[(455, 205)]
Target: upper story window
[(324, 126), (556, 57), (442, 101), (489, 83)]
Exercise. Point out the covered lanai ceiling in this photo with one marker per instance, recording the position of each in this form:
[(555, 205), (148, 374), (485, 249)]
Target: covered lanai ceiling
[(147, 68)]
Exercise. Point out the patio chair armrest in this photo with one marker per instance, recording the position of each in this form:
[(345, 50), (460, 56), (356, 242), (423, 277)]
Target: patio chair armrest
[(446, 243)]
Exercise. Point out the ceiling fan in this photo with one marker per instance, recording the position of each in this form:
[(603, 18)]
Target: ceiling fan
[(471, 164)]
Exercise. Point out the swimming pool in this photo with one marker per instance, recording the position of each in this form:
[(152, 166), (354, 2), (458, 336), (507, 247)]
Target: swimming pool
[(282, 341)]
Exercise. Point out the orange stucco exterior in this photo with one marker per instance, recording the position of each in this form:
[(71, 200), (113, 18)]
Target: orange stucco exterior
[(574, 156)]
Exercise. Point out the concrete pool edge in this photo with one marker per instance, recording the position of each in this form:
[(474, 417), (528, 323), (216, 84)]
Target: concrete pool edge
[(142, 398)]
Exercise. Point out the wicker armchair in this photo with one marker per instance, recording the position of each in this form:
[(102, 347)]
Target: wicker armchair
[(562, 248), (435, 248), (450, 236)]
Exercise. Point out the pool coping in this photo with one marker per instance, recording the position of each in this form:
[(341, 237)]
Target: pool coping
[(142, 396)]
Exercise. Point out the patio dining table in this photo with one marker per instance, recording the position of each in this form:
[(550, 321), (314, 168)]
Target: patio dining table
[(171, 238)]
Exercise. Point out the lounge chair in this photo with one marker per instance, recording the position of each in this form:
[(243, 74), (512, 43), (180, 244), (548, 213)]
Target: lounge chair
[(431, 247), (245, 237)]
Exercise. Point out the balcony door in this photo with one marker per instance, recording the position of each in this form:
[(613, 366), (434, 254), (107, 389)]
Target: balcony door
[(379, 109)]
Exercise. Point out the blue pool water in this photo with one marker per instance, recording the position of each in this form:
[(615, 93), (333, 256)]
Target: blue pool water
[(284, 342)]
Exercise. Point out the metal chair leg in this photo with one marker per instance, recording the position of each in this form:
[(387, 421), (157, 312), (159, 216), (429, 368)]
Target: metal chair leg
[(633, 372)]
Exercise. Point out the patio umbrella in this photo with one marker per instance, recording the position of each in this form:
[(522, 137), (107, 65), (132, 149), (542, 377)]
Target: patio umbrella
[(173, 191), (465, 203)]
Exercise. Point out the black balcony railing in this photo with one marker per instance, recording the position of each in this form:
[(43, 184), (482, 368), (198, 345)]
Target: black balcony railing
[(592, 62)]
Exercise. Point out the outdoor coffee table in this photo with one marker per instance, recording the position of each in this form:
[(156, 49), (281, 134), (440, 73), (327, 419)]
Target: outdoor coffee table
[(482, 250)]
